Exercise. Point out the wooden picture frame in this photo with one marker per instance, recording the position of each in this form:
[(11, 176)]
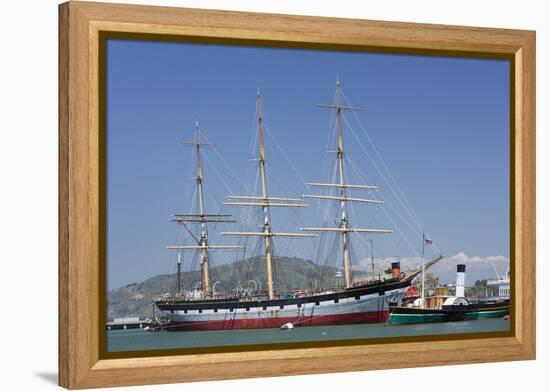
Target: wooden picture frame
[(81, 195)]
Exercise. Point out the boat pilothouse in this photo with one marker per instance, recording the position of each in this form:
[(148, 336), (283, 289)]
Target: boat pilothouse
[(355, 301)]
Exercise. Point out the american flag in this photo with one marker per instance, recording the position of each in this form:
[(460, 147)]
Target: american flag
[(428, 241)]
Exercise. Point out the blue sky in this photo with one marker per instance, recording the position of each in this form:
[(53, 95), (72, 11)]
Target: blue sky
[(440, 124)]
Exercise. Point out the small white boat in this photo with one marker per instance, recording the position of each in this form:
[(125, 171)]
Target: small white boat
[(287, 326)]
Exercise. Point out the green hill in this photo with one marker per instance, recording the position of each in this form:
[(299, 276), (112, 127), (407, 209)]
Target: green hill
[(289, 273)]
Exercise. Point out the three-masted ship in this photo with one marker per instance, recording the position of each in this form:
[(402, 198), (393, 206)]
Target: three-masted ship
[(352, 302)]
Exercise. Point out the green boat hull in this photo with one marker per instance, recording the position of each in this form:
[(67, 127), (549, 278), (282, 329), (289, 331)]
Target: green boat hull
[(414, 316), (485, 314), (397, 319)]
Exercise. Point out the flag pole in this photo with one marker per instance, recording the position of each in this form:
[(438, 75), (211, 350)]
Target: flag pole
[(423, 278)]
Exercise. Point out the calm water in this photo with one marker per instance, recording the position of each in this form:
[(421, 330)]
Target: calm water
[(137, 339)]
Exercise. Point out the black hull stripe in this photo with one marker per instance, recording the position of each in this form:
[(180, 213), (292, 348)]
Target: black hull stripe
[(217, 304)]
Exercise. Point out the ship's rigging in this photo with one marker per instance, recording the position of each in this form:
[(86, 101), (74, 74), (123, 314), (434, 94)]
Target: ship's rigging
[(344, 227), (265, 202), (338, 192), (184, 219)]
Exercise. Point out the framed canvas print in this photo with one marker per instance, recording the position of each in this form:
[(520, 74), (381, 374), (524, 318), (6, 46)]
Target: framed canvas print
[(289, 192)]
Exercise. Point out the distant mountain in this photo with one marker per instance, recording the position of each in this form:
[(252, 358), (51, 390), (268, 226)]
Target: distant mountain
[(289, 273)]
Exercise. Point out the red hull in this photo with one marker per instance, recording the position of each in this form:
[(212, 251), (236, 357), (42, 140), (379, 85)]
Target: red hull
[(266, 323)]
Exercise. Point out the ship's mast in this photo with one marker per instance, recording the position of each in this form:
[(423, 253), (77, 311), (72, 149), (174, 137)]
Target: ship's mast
[(423, 269), (184, 219), (344, 227), (267, 225), (344, 218), (178, 275), (203, 241), (372, 257), (265, 202)]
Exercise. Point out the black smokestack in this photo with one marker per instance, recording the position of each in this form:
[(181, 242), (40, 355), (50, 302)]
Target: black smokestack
[(460, 280)]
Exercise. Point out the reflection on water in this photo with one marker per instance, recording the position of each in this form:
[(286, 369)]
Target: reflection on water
[(137, 339)]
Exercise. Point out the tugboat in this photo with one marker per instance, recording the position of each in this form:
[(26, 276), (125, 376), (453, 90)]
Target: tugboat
[(455, 308)]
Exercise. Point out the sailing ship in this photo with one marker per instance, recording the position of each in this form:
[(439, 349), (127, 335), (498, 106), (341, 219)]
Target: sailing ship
[(356, 301)]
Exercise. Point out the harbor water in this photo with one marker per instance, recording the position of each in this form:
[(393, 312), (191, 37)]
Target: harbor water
[(138, 339)]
